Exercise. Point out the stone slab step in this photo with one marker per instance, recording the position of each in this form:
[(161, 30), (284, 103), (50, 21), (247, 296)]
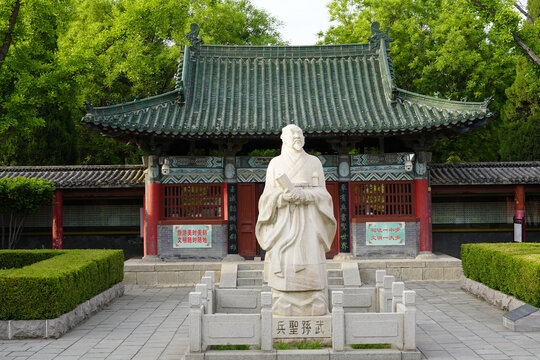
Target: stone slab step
[(334, 273), (335, 281), (250, 274), (249, 282), (258, 265)]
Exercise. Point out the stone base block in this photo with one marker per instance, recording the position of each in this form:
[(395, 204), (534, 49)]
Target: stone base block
[(390, 354)]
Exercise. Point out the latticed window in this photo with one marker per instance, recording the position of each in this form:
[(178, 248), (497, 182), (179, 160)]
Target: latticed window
[(380, 200), (192, 201)]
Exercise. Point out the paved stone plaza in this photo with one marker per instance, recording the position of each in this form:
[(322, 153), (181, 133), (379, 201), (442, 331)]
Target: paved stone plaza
[(151, 323)]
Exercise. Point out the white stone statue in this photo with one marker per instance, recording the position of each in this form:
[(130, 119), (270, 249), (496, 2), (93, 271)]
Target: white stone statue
[(296, 227)]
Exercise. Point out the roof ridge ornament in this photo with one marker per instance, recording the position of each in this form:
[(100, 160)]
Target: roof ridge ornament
[(377, 35), (193, 37)]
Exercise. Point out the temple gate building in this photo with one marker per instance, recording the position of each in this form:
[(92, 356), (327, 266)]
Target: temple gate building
[(202, 185)]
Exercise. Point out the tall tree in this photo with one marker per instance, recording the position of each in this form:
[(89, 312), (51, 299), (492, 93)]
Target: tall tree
[(520, 132), (441, 48), (35, 93), (130, 49)]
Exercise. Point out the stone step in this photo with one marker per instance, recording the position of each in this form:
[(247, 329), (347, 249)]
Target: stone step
[(333, 265), (334, 273), (335, 281), (250, 274), (259, 265), (249, 282)]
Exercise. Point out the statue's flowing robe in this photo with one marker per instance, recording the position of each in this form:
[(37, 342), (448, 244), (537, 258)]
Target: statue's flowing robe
[(296, 236)]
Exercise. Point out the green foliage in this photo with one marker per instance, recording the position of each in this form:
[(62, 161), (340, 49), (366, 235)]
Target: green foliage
[(19, 258), (19, 197), (50, 288), (520, 131), (23, 195), (35, 92), (264, 152), (442, 48), (280, 345), (230, 347), (371, 346), (512, 268), (65, 52), (303, 345)]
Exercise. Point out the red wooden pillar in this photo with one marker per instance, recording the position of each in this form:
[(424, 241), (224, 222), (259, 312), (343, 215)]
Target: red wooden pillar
[(519, 207), (153, 212), (423, 212), (57, 221)]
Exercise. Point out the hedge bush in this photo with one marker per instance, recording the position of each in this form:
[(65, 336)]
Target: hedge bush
[(512, 268), (54, 286), (20, 258)]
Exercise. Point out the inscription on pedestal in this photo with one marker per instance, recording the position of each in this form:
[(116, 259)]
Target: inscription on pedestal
[(284, 327)]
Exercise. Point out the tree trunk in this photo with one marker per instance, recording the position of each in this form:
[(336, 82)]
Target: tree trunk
[(8, 38)]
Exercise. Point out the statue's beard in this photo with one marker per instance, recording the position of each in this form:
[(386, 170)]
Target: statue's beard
[(297, 145)]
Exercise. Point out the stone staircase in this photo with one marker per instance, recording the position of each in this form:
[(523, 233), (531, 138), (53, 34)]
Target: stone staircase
[(250, 275)]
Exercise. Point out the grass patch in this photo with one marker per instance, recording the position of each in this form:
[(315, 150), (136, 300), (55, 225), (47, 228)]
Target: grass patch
[(371, 346), (309, 345), (229, 347), (282, 346)]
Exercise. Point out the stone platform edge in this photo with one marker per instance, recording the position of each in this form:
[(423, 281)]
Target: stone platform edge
[(188, 273), (54, 328), (491, 296), (326, 354)]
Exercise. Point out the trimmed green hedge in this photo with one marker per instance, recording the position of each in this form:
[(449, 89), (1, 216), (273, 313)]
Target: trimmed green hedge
[(511, 268), (19, 258), (52, 287)]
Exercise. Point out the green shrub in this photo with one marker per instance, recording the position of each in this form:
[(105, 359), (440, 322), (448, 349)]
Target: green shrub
[(512, 268), (54, 286), (19, 258)]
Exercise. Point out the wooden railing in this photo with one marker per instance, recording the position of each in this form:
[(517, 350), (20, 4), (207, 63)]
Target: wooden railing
[(192, 201)]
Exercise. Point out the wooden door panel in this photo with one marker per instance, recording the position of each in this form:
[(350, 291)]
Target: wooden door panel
[(247, 218)]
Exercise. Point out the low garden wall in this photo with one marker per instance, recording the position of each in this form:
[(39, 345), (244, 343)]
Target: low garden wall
[(511, 268), (46, 284)]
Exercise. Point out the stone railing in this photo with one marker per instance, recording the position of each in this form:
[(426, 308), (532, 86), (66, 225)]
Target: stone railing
[(393, 323)]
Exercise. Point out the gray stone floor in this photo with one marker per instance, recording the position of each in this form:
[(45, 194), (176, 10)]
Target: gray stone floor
[(151, 323)]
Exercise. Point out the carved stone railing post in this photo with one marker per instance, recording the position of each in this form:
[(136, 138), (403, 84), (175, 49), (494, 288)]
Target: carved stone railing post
[(195, 322), (409, 320), (397, 294), (207, 280), (203, 290), (338, 321), (267, 342), (386, 303)]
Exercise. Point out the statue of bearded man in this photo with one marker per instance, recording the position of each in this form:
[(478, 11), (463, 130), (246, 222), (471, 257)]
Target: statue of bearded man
[(296, 227)]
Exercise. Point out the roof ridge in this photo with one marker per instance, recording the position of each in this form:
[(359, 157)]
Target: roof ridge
[(69, 167)]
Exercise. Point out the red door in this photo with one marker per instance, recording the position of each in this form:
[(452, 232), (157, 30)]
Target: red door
[(248, 200), (247, 218), (333, 189)]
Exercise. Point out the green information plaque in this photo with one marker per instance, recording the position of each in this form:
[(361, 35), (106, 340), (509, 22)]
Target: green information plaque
[(385, 233)]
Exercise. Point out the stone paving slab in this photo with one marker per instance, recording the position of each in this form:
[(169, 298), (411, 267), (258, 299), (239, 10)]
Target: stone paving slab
[(151, 323)]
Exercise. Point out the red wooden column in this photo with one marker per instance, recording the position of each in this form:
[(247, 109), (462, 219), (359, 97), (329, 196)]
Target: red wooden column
[(152, 207), (57, 221), (519, 207), (153, 211), (423, 212)]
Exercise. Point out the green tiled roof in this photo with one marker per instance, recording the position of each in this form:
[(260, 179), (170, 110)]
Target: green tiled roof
[(256, 90)]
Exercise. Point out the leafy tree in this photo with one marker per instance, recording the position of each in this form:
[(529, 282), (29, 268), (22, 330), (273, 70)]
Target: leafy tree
[(130, 49), (35, 93), (20, 197), (520, 132), (441, 48)]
